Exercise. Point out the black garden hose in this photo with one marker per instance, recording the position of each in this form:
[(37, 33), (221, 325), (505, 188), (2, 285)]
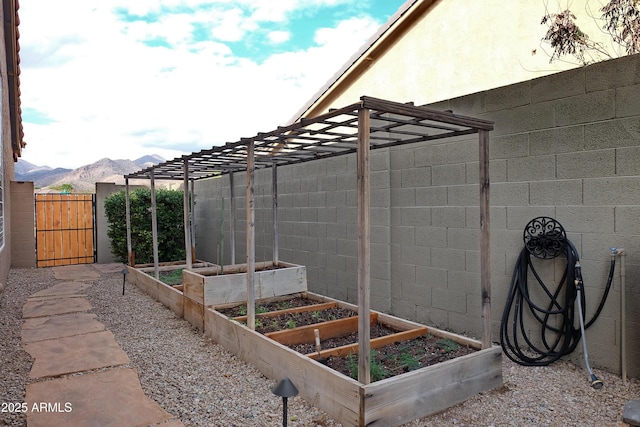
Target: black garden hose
[(558, 336)]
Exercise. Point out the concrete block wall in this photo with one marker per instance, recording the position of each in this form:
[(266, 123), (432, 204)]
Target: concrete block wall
[(565, 146)]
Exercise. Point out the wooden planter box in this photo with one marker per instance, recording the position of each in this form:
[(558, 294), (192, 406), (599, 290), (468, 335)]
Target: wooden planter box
[(389, 402), (206, 286)]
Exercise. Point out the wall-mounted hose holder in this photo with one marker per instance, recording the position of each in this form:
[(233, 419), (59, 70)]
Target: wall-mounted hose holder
[(556, 336)]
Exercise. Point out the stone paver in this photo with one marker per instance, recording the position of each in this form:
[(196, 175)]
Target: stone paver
[(65, 325), (631, 413), (53, 306), (109, 268), (61, 289), (76, 272), (64, 339), (75, 354), (103, 399)]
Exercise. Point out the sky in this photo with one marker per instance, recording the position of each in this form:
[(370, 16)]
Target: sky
[(127, 78)]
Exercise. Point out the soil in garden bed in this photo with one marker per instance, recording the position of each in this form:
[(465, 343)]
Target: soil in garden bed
[(378, 330), (293, 320), (387, 361), (241, 310), (398, 358)]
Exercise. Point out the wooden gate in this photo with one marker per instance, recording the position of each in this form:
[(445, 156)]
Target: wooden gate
[(65, 229)]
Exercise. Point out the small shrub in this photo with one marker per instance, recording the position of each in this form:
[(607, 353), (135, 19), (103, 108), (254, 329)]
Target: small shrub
[(170, 225)]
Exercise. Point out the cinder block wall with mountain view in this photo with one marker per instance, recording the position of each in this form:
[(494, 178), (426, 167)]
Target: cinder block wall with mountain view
[(565, 146)]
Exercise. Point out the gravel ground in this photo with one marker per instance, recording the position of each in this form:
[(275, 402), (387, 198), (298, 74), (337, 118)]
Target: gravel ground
[(204, 385)]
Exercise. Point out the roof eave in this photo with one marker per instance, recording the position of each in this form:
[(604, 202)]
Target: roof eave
[(375, 47), (12, 48)]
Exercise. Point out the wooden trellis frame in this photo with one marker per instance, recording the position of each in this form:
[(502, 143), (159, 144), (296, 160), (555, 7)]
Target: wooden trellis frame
[(357, 128)]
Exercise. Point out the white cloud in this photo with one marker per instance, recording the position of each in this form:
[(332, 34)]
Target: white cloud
[(111, 95), (277, 37)]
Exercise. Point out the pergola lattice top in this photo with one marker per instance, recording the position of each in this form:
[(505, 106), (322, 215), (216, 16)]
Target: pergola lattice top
[(332, 134)]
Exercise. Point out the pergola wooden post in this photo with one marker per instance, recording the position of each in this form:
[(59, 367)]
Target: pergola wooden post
[(185, 205), (154, 227), (251, 230), (130, 258), (274, 195), (485, 238), (192, 223), (232, 220), (364, 248)]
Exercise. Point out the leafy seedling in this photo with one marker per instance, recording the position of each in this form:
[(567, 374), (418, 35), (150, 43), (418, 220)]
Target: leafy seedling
[(409, 361), (447, 345), (376, 369)]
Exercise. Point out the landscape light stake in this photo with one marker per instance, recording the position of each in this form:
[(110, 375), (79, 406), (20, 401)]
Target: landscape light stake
[(124, 278), (285, 389)]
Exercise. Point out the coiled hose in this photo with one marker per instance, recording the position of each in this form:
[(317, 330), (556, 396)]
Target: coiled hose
[(545, 239)]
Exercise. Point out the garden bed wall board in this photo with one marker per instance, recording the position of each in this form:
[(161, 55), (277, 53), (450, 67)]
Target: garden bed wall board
[(389, 402), (206, 286)]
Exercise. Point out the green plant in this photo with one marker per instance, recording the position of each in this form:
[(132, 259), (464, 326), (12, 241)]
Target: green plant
[(409, 360), (316, 315), (64, 188), (376, 369), (170, 229), (447, 345), (283, 305), (261, 309), (173, 277), (290, 324), (258, 323), (352, 366), (242, 310)]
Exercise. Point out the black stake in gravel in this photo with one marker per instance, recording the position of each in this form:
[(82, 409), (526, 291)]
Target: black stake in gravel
[(285, 389), (124, 278)]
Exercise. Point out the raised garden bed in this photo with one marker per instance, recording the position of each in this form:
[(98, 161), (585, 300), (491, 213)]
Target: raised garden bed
[(207, 284), (434, 380), (392, 401), (297, 321)]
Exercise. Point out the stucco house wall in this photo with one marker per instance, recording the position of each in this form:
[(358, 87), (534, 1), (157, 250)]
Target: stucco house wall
[(439, 49), (565, 146), (6, 157)]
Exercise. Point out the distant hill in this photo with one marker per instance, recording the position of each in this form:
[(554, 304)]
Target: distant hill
[(83, 178)]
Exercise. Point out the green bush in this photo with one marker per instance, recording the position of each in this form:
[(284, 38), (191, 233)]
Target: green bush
[(169, 210)]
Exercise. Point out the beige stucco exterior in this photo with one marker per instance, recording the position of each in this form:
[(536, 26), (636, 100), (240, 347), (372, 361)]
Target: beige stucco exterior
[(437, 50), (11, 131)]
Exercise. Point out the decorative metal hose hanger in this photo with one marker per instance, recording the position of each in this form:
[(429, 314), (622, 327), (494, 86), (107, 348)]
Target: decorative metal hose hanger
[(546, 239)]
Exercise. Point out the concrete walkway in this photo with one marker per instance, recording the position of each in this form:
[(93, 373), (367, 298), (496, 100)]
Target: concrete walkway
[(78, 377)]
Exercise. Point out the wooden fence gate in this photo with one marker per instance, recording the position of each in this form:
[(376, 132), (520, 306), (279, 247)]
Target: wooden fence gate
[(65, 229)]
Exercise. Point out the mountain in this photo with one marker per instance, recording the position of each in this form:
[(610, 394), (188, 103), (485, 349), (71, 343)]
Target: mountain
[(83, 179)]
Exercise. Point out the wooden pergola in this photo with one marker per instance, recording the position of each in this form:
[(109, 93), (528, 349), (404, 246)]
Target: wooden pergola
[(357, 128)]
